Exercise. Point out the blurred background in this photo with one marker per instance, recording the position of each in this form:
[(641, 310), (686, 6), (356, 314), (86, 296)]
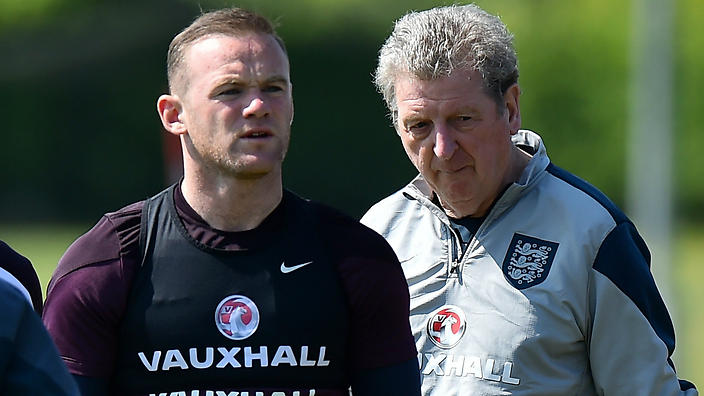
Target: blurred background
[(80, 134)]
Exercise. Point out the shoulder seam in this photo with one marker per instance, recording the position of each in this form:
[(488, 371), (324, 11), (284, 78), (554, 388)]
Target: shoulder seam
[(133, 208), (616, 214)]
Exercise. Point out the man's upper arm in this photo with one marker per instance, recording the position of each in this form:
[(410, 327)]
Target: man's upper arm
[(377, 294), (83, 321), (88, 293), (401, 379), (631, 336)]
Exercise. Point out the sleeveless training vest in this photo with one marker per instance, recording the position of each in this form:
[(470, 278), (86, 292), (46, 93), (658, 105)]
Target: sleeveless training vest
[(203, 321)]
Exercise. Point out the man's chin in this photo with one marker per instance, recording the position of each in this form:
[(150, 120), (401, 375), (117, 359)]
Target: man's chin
[(252, 167), (254, 171), (250, 173), (459, 205)]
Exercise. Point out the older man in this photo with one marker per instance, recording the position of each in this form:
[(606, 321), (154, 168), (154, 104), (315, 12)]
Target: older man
[(225, 283), (524, 279)]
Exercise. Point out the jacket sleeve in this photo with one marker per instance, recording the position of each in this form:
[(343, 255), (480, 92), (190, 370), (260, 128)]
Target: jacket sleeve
[(29, 362), (631, 337), (22, 270)]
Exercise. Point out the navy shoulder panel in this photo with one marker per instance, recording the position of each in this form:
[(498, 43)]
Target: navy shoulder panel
[(624, 259), (21, 268), (580, 184), (685, 385)]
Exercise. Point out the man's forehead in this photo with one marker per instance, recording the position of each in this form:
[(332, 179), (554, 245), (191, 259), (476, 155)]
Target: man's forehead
[(456, 75), (457, 85), (228, 46), (225, 54), (220, 54)]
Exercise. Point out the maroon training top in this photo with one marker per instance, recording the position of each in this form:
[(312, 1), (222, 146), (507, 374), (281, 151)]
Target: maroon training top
[(84, 306)]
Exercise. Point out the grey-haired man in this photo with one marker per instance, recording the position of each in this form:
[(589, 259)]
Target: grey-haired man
[(524, 279)]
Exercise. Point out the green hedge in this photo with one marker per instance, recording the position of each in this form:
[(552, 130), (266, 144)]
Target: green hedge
[(79, 83)]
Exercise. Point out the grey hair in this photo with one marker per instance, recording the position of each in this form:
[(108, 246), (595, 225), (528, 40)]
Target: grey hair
[(431, 44)]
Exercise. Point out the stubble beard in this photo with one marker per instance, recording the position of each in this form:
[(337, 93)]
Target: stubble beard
[(216, 160), (245, 166)]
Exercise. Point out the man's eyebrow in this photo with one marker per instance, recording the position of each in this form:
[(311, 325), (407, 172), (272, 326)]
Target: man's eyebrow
[(413, 116), (229, 80), (276, 79), (239, 81)]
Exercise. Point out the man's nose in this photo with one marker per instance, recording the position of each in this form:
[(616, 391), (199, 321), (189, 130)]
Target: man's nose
[(445, 143), (255, 108)]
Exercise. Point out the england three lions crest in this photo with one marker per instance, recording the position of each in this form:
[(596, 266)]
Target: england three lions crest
[(528, 260)]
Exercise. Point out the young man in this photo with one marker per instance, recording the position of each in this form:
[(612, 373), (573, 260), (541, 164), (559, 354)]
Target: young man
[(524, 279), (225, 283)]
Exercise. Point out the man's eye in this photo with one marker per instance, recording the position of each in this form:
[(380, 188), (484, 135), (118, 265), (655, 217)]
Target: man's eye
[(273, 88), (418, 129), (230, 91), (417, 126)]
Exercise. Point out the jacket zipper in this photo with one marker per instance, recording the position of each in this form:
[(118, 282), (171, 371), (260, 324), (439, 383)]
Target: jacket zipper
[(456, 255)]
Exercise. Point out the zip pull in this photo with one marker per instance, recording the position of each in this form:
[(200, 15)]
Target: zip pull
[(454, 266)]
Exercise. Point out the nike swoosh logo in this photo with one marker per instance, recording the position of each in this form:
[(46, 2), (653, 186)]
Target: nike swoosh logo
[(286, 270)]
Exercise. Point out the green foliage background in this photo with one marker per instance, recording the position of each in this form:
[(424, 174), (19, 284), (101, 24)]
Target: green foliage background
[(79, 80)]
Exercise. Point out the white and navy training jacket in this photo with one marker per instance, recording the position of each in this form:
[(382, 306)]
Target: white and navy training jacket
[(552, 296)]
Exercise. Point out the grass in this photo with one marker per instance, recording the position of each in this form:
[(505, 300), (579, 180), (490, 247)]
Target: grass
[(44, 244)]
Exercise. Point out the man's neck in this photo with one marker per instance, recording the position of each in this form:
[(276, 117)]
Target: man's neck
[(231, 204)]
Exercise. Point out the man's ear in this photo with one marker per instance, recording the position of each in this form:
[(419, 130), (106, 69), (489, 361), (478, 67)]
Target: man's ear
[(171, 113), (394, 121), (293, 109), (512, 107)]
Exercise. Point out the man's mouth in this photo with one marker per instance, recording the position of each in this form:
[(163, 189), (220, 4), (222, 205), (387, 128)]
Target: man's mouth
[(451, 170), (257, 134)]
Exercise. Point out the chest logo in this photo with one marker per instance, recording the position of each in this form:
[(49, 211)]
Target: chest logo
[(286, 270), (446, 326), (528, 261), (237, 317)]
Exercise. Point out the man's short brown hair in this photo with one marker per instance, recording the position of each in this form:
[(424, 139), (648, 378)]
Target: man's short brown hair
[(228, 21)]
